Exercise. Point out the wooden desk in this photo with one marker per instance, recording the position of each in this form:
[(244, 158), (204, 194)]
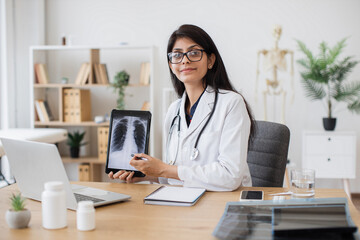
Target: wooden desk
[(135, 220)]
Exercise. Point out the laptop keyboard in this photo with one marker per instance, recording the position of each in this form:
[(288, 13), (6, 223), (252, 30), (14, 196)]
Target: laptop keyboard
[(80, 197)]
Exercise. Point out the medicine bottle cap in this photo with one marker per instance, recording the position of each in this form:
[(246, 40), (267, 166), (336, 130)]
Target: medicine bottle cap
[(85, 205), (54, 186)]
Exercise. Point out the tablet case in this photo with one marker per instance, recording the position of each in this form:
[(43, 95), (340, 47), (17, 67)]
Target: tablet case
[(128, 134)]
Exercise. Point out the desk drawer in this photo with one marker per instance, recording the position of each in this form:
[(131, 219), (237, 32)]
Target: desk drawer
[(331, 166), (333, 145)]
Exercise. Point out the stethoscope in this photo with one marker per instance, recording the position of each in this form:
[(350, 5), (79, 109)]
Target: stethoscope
[(195, 151)]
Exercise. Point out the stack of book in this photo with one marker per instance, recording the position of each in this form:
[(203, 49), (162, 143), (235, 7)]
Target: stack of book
[(43, 111), (98, 72), (83, 74), (41, 75), (77, 105), (103, 136)]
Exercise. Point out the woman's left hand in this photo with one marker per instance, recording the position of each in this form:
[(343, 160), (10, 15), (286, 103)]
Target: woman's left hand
[(151, 167)]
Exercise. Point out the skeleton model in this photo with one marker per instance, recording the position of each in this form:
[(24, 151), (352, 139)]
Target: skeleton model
[(274, 60)]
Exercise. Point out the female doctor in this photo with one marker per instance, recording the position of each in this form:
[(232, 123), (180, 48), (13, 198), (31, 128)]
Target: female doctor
[(208, 129)]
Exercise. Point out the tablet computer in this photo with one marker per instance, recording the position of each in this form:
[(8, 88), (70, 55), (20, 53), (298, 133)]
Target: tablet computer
[(128, 134)]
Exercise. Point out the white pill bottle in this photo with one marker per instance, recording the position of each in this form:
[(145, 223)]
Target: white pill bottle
[(85, 216), (53, 203)]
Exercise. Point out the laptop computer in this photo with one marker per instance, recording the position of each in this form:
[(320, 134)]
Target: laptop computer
[(34, 163)]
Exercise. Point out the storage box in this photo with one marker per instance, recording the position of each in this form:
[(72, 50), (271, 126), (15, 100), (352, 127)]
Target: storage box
[(84, 172), (103, 136), (77, 105)]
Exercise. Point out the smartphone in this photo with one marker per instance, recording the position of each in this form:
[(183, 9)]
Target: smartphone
[(251, 195)]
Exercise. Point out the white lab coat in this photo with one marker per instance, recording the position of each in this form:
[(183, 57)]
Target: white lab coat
[(221, 164)]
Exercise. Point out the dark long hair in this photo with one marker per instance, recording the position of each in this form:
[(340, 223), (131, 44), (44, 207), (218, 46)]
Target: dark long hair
[(216, 77)]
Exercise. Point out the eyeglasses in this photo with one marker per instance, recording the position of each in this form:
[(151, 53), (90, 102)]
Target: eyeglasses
[(194, 55)]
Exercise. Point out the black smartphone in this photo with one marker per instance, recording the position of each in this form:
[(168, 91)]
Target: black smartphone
[(251, 195)]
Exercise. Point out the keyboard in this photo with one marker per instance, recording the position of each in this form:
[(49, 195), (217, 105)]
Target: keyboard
[(80, 197)]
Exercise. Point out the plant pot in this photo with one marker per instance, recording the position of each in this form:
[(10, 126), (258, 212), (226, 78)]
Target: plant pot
[(329, 124), (18, 219), (74, 152)]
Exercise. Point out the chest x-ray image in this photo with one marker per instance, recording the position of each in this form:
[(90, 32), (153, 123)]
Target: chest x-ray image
[(129, 135)]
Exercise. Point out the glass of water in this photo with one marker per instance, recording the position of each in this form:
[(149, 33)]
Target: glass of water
[(302, 183)]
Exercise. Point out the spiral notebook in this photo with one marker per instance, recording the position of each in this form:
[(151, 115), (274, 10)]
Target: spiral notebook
[(174, 196)]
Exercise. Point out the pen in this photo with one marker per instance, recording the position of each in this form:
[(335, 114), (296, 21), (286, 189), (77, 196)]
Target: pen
[(139, 158)]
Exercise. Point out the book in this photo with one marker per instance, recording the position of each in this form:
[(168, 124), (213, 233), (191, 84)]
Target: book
[(80, 74), (43, 110), (48, 111), (103, 74), (86, 75), (174, 196), (39, 111), (36, 72), (41, 73), (145, 73), (98, 78)]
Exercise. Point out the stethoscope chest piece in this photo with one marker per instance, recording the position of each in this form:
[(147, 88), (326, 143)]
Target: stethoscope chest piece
[(194, 153)]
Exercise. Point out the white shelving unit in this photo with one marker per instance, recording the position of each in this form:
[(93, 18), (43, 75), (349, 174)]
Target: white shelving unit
[(65, 61)]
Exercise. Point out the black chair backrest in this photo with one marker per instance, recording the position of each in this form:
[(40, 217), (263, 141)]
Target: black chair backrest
[(267, 154)]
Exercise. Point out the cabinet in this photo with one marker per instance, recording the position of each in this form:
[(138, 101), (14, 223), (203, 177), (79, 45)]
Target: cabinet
[(66, 61), (331, 154)]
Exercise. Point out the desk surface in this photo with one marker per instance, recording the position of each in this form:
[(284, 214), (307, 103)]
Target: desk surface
[(135, 220)]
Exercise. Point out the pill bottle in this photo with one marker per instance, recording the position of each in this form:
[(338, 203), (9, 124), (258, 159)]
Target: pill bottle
[(53, 204), (85, 216)]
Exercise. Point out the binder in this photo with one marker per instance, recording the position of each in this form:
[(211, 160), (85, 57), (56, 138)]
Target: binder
[(84, 172), (103, 136)]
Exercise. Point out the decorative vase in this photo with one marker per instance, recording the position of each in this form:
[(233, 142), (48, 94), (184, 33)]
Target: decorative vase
[(18, 219), (74, 152), (329, 124)]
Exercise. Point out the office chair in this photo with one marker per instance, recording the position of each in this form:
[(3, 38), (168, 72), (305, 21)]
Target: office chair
[(267, 154)]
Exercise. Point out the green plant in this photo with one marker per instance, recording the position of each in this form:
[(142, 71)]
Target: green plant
[(324, 76), (75, 139), (121, 80), (17, 202)]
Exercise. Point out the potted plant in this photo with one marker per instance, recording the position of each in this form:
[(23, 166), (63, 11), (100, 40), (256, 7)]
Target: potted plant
[(121, 80), (75, 142), (324, 77), (18, 216)]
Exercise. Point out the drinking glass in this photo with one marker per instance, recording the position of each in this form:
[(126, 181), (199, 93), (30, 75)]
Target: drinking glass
[(302, 183)]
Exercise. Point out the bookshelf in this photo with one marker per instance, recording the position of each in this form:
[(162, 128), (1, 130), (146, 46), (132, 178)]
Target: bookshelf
[(66, 61)]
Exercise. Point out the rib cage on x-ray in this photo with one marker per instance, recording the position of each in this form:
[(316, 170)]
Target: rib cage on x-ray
[(127, 137)]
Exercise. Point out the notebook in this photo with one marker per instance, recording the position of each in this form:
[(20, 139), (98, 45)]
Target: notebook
[(174, 196)]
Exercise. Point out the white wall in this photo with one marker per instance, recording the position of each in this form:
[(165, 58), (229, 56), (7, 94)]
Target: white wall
[(6, 63), (239, 28), (24, 26)]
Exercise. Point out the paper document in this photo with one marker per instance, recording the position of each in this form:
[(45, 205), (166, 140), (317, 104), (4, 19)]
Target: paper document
[(174, 196)]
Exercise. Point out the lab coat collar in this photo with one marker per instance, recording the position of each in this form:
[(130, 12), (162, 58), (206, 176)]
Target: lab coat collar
[(203, 110)]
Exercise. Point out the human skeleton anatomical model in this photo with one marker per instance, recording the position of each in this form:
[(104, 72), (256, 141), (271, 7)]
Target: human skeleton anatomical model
[(274, 60)]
